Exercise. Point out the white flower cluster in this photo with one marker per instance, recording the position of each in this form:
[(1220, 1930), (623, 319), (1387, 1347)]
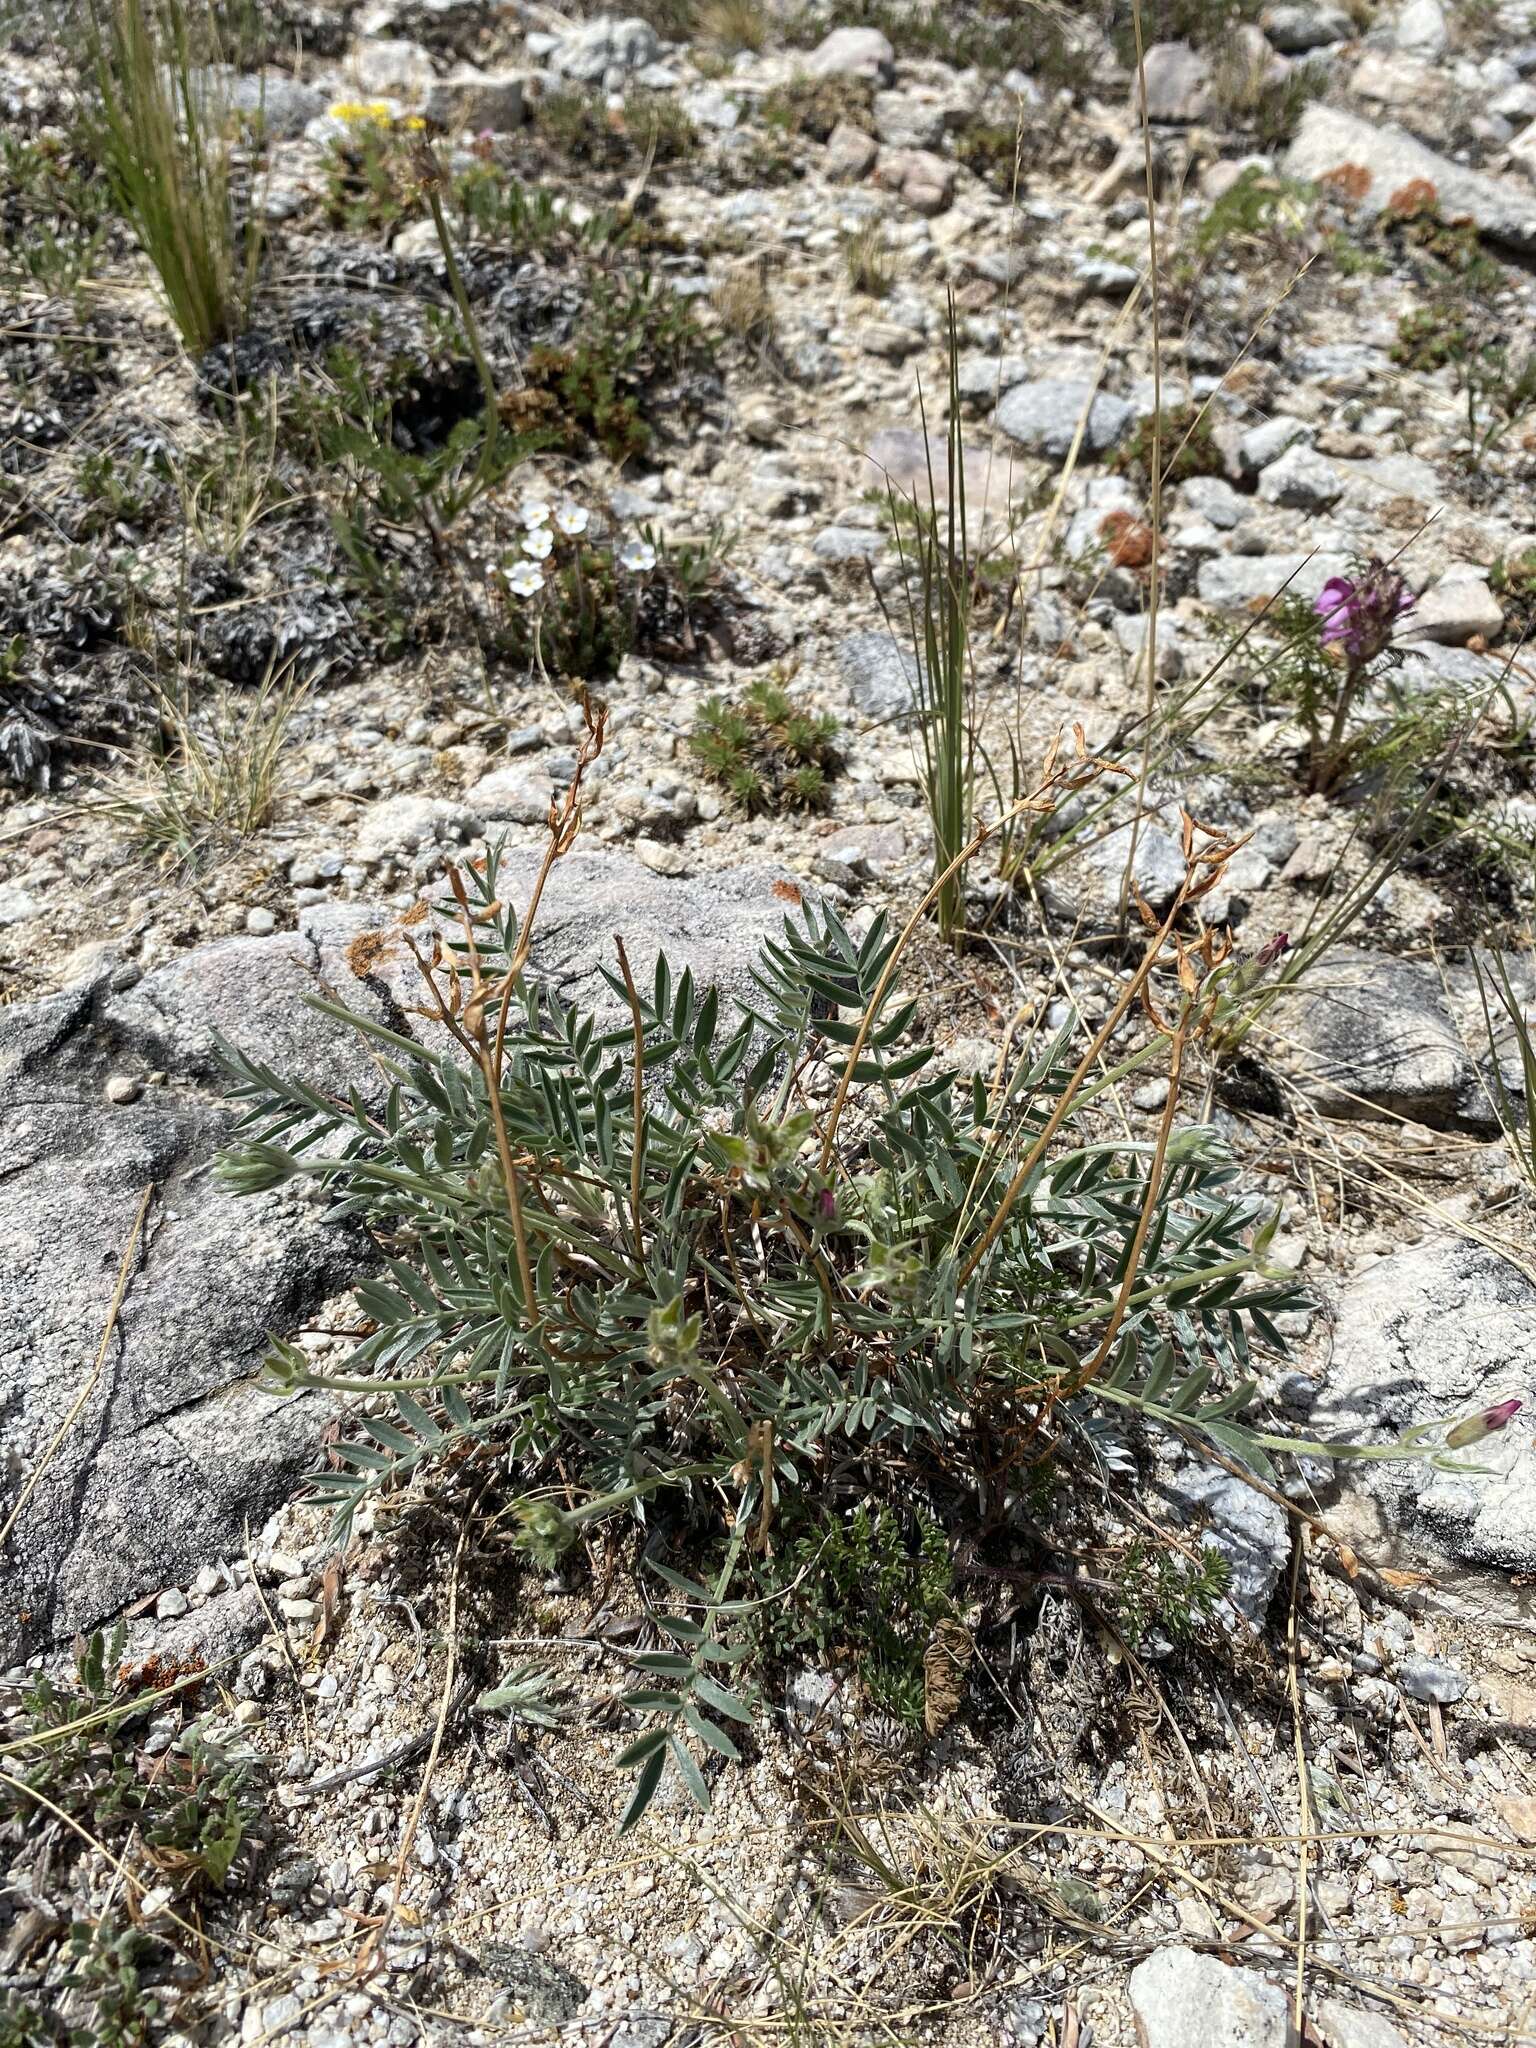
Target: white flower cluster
[(524, 576)]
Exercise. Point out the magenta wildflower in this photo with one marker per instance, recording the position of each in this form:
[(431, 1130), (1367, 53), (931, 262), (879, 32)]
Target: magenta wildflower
[(1272, 949), (1359, 613), (1486, 1423)]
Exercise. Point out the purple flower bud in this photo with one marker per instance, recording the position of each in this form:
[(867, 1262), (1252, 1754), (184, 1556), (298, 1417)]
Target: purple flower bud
[(1486, 1423), (1360, 613), (1272, 949)]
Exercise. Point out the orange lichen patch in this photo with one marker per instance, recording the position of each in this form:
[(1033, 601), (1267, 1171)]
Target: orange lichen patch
[(366, 951), (155, 1673), (1128, 541), (1347, 181), (787, 892), (1413, 200)]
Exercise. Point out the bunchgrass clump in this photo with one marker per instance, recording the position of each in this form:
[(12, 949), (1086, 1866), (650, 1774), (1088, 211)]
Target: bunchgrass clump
[(743, 304), (164, 140), (731, 26), (939, 592), (213, 776), (1510, 1018), (768, 752), (1246, 94), (869, 260)]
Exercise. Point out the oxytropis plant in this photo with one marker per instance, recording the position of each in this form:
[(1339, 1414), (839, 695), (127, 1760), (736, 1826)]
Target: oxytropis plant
[(701, 1261), (1338, 651)]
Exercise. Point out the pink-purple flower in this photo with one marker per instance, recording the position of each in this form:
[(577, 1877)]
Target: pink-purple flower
[(1272, 949), (1487, 1422), (1360, 613)]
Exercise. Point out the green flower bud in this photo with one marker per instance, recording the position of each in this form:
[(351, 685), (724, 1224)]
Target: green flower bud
[(256, 1169), (544, 1531)]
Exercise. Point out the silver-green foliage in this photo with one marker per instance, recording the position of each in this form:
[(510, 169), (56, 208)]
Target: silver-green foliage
[(734, 1285)]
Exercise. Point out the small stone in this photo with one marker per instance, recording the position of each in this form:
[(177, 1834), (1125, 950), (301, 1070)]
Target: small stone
[(1295, 29), (1101, 278), (1421, 29), (1268, 441), (603, 46), (520, 795), (988, 377), (1302, 480), (1459, 608), (16, 905), (1131, 630), (1212, 498), (124, 1088), (171, 1603), (1426, 1678), (1178, 80), (850, 153), (924, 181), (1043, 416), (278, 2014), (888, 340), (908, 121), (386, 65), (1236, 581), (880, 675), (853, 53), (260, 923), (1345, 2026), (477, 101), (659, 857), (847, 544), (1517, 1810), (1183, 1999)]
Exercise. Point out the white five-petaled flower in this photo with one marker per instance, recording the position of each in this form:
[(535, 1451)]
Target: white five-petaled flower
[(525, 579), (535, 512), (638, 555), (537, 542), (571, 518)]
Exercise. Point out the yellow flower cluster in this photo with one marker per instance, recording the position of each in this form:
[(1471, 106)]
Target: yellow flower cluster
[(357, 112)]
